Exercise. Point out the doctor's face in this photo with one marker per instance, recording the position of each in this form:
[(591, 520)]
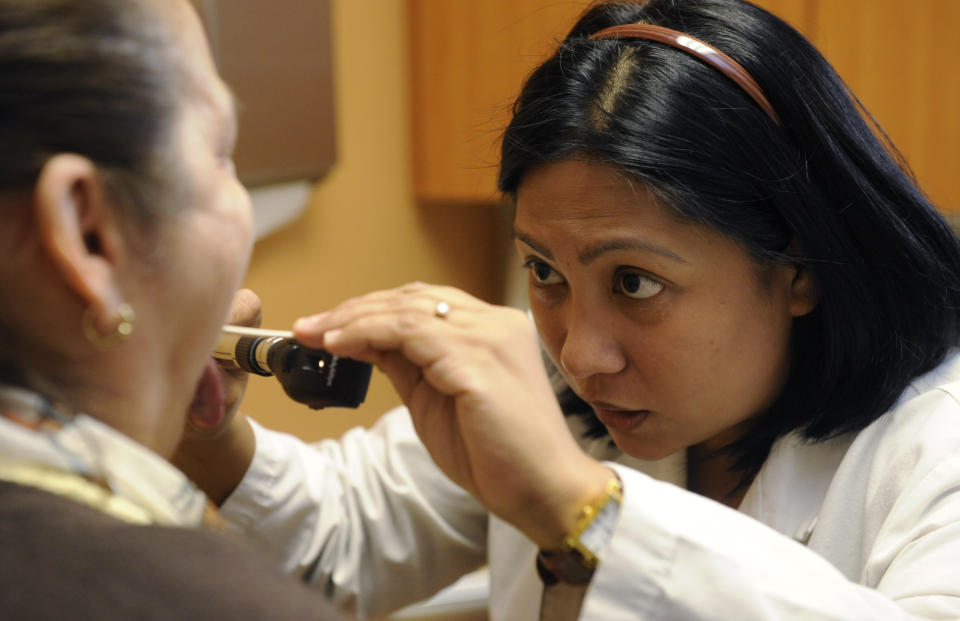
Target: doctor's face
[(671, 333)]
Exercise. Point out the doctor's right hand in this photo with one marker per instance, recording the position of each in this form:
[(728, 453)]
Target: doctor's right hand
[(472, 376)]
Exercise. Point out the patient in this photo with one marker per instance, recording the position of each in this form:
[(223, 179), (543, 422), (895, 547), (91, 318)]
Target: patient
[(124, 235)]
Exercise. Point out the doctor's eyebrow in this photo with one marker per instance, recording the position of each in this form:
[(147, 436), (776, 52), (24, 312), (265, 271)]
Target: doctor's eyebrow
[(594, 252)]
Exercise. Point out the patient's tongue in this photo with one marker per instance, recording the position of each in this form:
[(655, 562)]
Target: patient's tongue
[(207, 409)]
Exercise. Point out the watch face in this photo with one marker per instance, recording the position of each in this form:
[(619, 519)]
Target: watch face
[(575, 562), (600, 530)]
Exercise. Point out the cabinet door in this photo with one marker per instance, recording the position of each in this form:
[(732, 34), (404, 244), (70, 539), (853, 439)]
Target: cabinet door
[(468, 61), (900, 60), (275, 55), (798, 13)]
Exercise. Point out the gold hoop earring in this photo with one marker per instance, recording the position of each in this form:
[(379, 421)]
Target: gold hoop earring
[(121, 333)]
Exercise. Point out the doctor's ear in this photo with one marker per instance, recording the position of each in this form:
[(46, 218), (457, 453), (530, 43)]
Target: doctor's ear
[(803, 295), (78, 231), (803, 291)]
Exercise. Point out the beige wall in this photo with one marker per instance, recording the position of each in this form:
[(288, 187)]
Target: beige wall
[(362, 229)]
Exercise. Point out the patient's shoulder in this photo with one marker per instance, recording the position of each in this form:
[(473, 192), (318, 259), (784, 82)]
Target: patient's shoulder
[(64, 558)]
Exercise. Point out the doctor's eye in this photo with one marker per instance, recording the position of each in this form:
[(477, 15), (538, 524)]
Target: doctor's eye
[(542, 273), (635, 285)]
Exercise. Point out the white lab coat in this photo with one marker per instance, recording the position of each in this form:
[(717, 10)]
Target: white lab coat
[(862, 527)]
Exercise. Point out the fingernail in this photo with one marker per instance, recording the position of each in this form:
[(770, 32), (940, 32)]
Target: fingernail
[(309, 323)]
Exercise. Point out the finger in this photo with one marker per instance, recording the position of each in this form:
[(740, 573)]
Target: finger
[(415, 297), (411, 332), (246, 309), (416, 334), (231, 372)]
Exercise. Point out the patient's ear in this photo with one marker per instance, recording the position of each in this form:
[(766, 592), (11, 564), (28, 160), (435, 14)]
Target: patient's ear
[(78, 230)]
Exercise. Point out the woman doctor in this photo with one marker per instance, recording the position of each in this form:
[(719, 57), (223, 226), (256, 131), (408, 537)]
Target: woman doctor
[(735, 281)]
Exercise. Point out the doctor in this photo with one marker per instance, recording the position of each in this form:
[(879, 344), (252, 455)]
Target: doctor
[(739, 291)]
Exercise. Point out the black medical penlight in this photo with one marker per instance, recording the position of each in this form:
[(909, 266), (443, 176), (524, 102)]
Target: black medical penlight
[(314, 377)]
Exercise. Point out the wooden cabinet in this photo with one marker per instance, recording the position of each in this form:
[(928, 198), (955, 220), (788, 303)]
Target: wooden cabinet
[(469, 59), (468, 62), (275, 55), (900, 59)]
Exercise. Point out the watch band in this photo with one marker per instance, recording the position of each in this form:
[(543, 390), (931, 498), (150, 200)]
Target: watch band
[(575, 561)]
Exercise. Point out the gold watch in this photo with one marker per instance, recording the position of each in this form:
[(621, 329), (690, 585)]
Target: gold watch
[(577, 558)]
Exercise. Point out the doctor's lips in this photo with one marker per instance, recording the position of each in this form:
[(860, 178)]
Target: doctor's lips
[(618, 418)]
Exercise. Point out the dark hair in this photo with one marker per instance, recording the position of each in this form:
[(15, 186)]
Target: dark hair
[(820, 190), (91, 77)]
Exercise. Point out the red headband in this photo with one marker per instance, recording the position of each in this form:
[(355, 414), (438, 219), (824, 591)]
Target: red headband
[(702, 50)]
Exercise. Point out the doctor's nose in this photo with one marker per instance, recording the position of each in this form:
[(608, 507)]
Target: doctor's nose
[(591, 348)]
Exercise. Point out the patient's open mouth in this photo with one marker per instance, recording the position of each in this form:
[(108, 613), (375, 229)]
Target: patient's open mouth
[(207, 409)]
